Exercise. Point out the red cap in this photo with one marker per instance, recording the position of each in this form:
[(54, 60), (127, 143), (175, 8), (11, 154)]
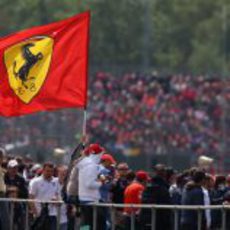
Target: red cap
[(142, 175), (94, 149), (108, 157)]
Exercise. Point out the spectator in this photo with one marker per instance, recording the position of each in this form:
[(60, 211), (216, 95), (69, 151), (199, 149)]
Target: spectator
[(16, 187), (119, 185), (19, 209), (12, 178), (194, 194), (106, 171), (132, 195), (89, 185), (157, 192), (72, 183), (217, 198), (46, 189), (177, 189)]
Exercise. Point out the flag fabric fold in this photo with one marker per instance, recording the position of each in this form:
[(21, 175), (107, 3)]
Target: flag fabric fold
[(45, 68)]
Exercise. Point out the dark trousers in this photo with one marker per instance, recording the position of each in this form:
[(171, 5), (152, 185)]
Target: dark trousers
[(87, 217), (4, 214), (45, 223), (128, 222), (51, 223)]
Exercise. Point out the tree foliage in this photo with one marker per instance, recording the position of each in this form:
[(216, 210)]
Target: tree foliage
[(176, 35)]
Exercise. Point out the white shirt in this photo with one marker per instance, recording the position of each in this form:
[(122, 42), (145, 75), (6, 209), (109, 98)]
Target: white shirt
[(88, 182), (44, 190), (207, 211)]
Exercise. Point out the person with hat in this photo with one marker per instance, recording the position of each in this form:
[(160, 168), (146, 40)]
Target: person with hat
[(106, 172), (133, 194), (89, 184), (12, 178)]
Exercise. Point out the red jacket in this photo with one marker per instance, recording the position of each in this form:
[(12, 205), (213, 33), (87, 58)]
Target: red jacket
[(132, 195)]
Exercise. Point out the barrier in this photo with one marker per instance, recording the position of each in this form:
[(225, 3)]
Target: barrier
[(174, 208)]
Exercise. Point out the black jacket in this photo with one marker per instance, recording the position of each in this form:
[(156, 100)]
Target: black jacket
[(192, 195), (18, 182), (156, 193), (118, 189)]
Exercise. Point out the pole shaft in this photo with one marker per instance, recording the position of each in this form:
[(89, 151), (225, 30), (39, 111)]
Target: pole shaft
[(84, 123)]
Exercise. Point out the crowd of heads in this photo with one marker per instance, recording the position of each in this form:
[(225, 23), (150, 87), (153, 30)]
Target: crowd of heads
[(160, 113), (121, 181)]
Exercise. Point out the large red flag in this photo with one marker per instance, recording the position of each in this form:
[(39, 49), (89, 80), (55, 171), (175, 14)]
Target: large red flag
[(45, 67)]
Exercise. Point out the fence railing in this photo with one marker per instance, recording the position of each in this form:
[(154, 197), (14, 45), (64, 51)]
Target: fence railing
[(175, 209)]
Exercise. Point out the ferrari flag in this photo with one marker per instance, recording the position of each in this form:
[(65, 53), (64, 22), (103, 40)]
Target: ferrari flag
[(45, 67)]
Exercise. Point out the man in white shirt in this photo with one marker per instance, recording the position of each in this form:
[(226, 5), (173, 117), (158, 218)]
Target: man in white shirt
[(45, 188)]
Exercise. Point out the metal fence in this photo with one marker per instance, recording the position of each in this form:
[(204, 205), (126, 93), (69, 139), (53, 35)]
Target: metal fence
[(175, 209)]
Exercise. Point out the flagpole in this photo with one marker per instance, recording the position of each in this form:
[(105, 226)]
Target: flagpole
[(84, 123)]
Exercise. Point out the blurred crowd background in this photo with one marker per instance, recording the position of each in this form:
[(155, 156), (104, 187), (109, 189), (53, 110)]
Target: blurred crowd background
[(159, 83), (155, 118)]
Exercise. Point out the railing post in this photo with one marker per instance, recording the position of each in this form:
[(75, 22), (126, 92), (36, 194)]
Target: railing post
[(199, 219), (94, 217), (176, 219), (153, 218), (223, 212), (132, 221), (113, 219), (58, 215), (27, 216), (11, 204)]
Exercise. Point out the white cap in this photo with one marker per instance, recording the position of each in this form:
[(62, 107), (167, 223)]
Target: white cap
[(12, 164), (59, 152), (204, 160)]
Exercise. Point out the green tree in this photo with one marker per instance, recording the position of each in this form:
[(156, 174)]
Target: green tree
[(172, 35)]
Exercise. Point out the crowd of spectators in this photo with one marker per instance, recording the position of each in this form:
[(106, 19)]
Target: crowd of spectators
[(161, 114), (98, 177), (135, 113)]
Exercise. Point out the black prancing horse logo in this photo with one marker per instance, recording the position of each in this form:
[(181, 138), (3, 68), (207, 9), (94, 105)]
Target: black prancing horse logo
[(30, 61)]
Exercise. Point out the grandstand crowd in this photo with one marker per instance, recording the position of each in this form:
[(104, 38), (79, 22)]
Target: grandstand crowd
[(95, 176), (153, 113)]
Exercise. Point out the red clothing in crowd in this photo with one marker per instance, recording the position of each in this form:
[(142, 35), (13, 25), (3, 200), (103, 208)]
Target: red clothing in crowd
[(133, 195)]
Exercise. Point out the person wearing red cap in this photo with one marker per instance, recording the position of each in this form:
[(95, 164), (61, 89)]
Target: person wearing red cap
[(133, 194), (89, 184), (107, 173)]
